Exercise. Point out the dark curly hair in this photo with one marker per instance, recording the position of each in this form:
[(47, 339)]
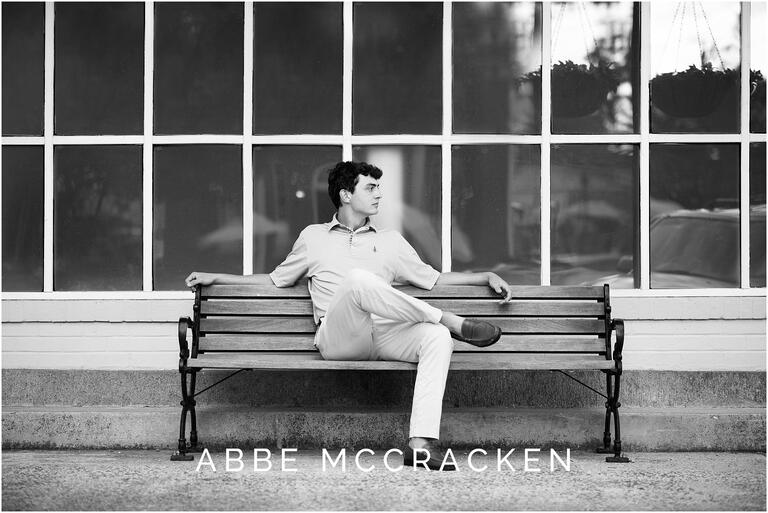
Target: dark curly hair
[(344, 175)]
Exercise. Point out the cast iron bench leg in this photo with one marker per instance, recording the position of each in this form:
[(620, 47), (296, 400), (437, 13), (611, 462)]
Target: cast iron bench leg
[(606, 448), (187, 405), (615, 404)]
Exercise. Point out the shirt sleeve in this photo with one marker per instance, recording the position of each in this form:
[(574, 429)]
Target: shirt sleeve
[(294, 267), (411, 269)]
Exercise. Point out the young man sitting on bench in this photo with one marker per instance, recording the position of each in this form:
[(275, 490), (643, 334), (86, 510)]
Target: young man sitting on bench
[(351, 265)]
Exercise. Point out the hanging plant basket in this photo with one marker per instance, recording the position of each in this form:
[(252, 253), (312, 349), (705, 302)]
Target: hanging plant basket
[(693, 93), (577, 89)]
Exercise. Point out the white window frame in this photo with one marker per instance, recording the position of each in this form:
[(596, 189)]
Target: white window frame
[(347, 140)]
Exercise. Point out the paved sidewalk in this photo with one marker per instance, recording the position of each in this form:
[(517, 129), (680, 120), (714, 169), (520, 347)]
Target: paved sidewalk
[(141, 480)]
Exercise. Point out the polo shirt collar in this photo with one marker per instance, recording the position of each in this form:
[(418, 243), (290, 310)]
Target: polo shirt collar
[(335, 222)]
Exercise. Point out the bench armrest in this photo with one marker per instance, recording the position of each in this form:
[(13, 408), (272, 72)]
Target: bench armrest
[(618, 326), (184, 324)]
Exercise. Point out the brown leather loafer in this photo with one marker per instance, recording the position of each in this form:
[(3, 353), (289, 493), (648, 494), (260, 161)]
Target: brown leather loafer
[(432, 452), (478, 333)]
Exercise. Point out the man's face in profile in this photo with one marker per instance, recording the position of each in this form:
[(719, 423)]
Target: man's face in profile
[(365, 199)]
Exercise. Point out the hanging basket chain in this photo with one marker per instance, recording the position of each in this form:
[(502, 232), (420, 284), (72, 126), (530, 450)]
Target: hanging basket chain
[(591, 30), (714, 41), (698, 35), (558, 23), (671, 27), (680, 36)]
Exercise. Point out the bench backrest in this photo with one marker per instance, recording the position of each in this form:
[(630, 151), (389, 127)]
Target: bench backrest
[(266, 319)]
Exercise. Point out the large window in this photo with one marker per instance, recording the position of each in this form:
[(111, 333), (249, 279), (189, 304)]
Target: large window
[(554, 143)]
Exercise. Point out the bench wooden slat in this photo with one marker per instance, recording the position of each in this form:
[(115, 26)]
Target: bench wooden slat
[(446, 291), (508, 343), (306, 325), (313, 361), (458, 306)]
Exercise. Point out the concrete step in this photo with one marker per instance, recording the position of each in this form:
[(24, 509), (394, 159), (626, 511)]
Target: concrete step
[(246, 427)]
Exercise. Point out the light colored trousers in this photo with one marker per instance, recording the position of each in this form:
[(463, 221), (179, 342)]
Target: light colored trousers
[(368, 319)]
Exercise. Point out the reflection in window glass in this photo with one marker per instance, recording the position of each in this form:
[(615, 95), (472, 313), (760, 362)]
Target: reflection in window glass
[(23, 57), (757, 215), (397, 72), (22, 218), (297, 60), (198, 68), (97, 220), (411, 194), (99, 68), (594, 214), (290, 191), (496, 212), (595, 67), (695, 67), (694, 209), (198, 212), (494, 46), (758, 68)]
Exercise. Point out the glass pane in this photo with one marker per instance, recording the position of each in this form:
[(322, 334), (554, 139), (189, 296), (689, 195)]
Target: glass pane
[(695, 232), (23, 68), (494, 46), (496, 211), (198, 212), (97, 220), (757, 215), (759, 67), (99, 62), (198, 68), (290, 191), (397, 72), (594, 214), (596, 67), (23, 218), (695, 61), (411, 192), (297, 61)]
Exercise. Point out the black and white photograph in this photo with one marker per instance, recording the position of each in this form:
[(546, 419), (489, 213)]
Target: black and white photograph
[(365, 255)]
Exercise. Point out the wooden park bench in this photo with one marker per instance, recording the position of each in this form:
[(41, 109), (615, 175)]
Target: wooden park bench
[(263, 327)]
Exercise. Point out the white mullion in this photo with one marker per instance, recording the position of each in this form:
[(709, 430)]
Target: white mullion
[(447, 129), (400, 139), (546, 139), (695, 138), (23, 141), (645, 202), (746, 32), (458, 139), (197, 139), (346, 88), (595, 139), (295, 139), (248, 39), (48, 151), (147, 173), (94, 140), (757, 138)]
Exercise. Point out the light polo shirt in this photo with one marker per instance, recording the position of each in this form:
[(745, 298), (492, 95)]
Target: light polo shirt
[(326, 252)]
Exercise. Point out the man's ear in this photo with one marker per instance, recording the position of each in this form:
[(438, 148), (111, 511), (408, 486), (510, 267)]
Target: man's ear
[(345, 195)]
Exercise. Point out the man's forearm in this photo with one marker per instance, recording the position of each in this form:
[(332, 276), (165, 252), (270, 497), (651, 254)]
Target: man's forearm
[(237, 279), (453, 278)]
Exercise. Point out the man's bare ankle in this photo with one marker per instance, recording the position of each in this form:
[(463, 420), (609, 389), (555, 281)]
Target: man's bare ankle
[(417, 442), (452, 321)]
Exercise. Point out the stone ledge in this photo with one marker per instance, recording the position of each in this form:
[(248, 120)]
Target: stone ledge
[(643, 429), (359, 389)]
